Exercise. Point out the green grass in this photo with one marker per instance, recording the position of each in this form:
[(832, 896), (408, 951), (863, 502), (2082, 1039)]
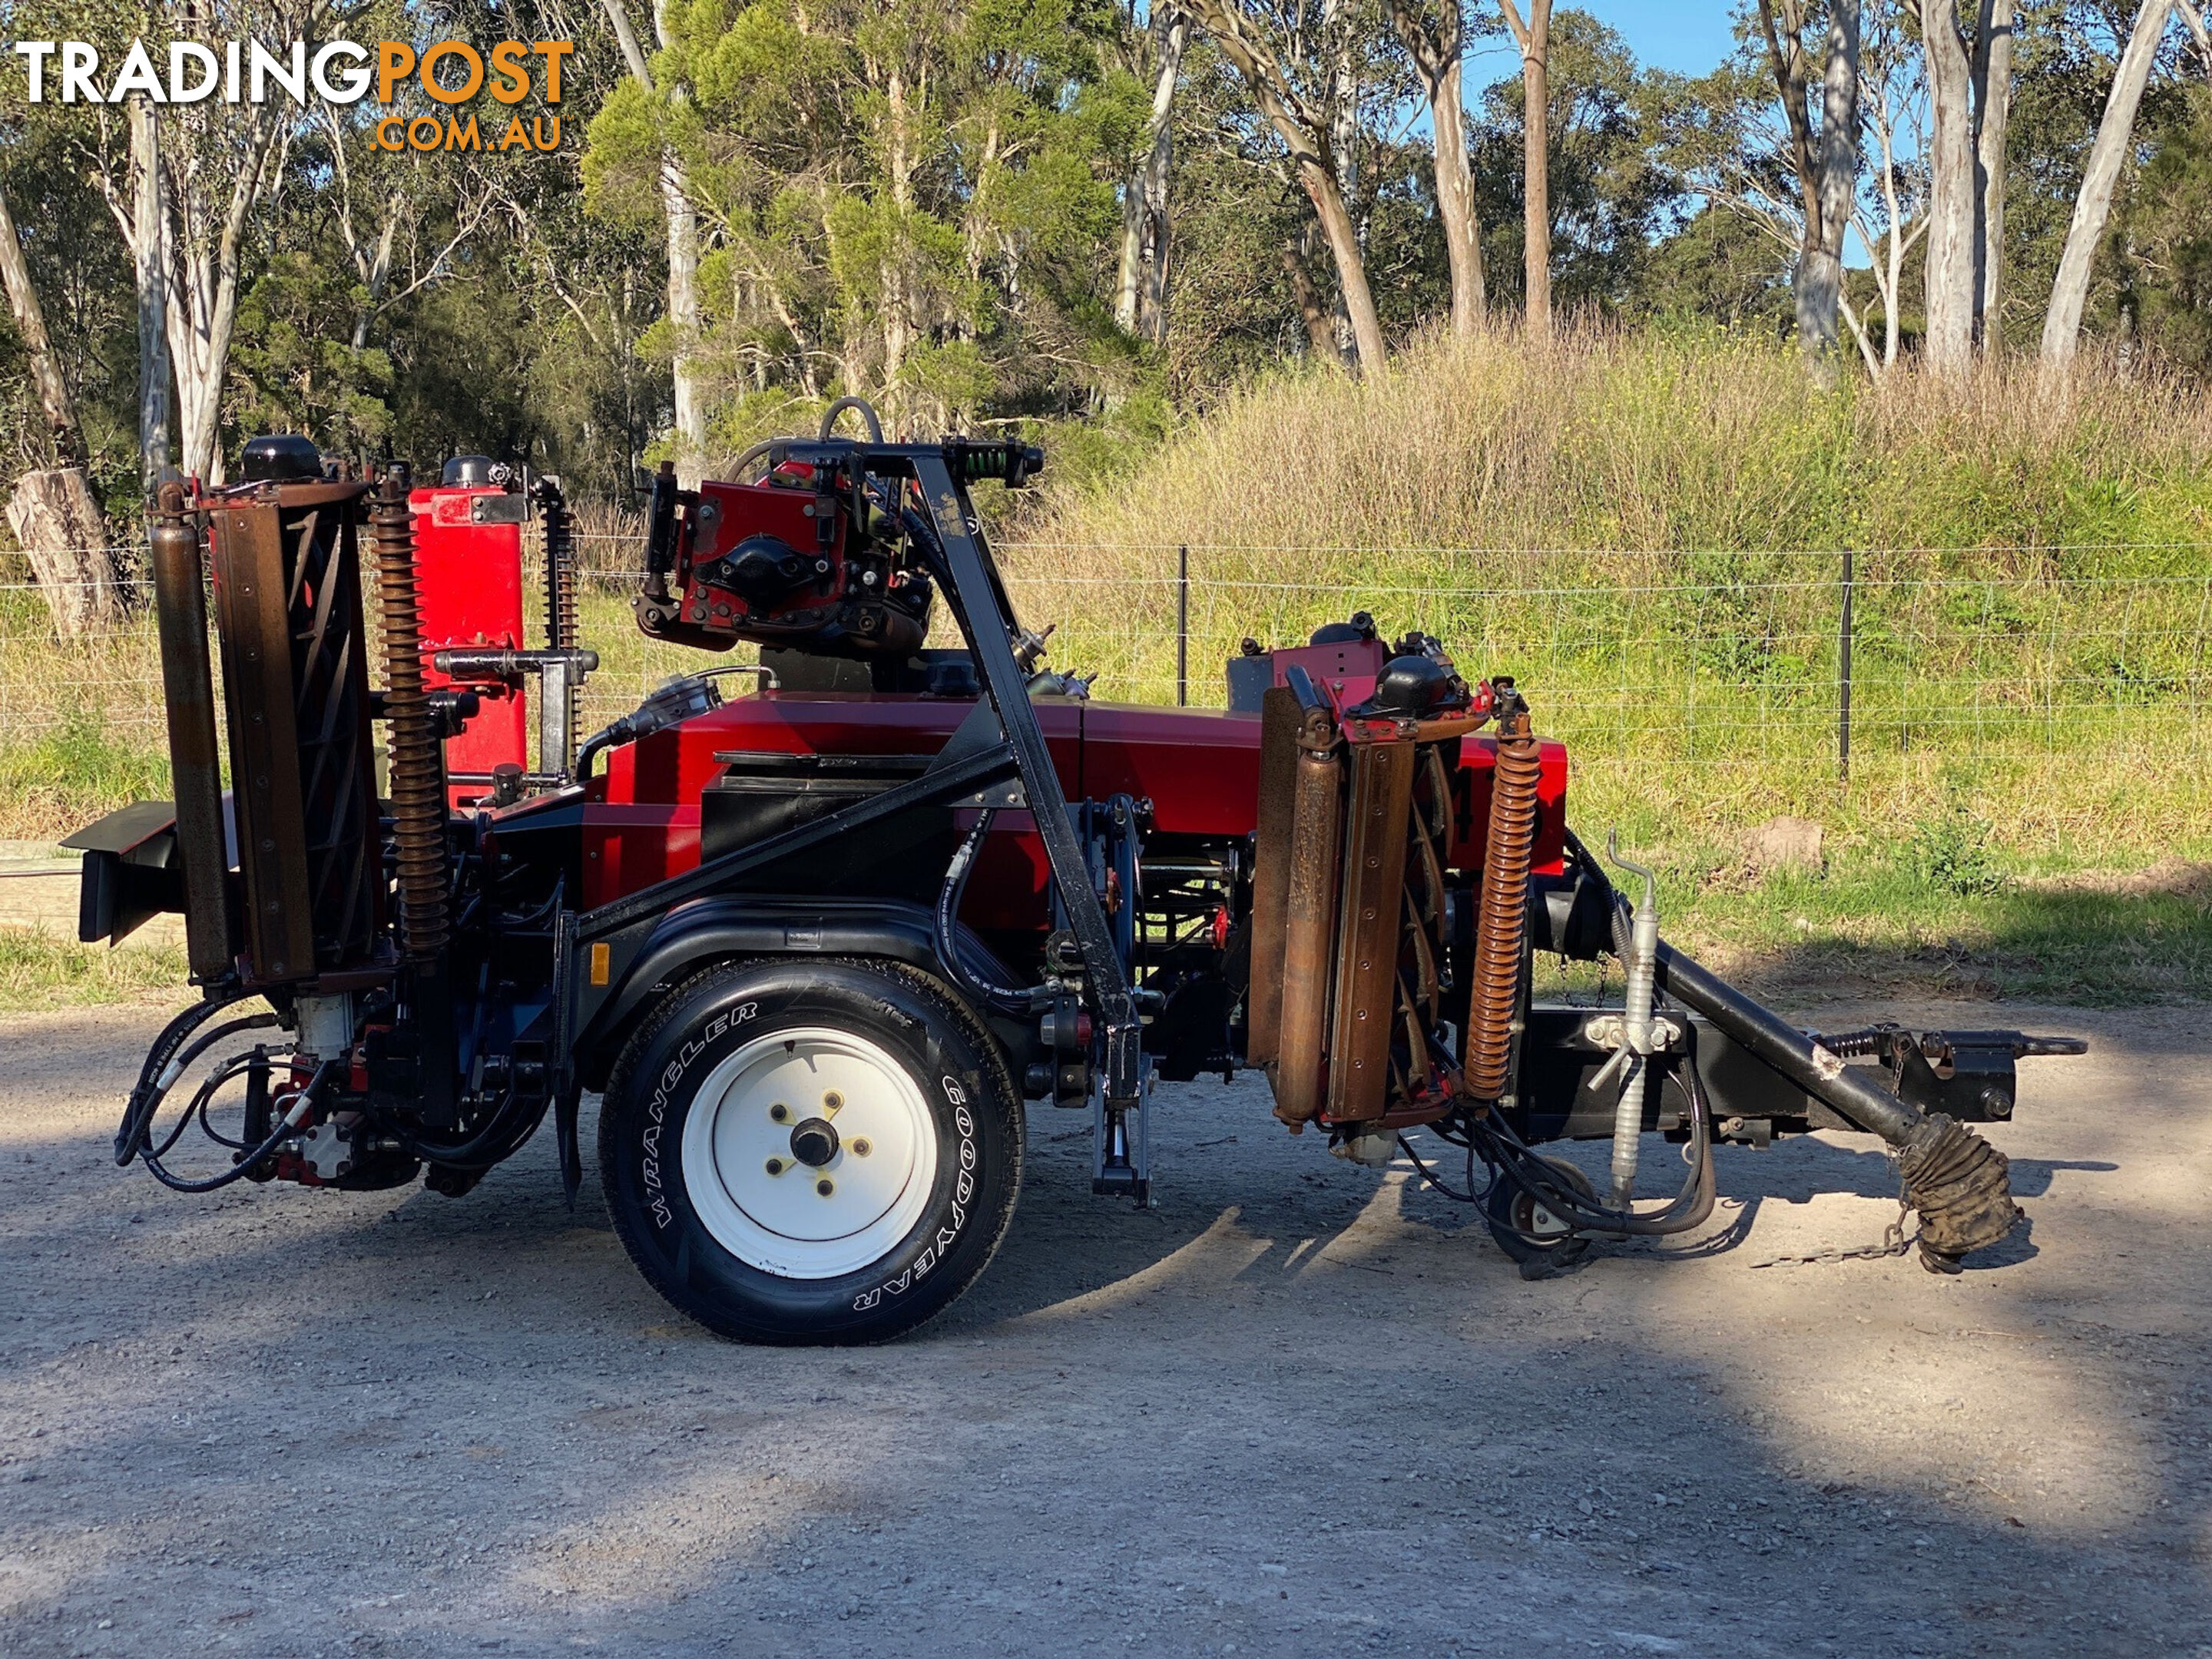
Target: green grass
[(39, 970), (1872, 925), (58, 780)]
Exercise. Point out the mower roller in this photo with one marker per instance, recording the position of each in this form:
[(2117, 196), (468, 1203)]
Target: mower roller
[(818, 943)]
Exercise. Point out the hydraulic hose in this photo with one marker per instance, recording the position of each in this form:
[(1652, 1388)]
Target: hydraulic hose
[(867, 411), (498, 1132), (947, 927), (287, 1125), (1815, 1068), (1689, 1208), (162, 1067), (1961, 1184)]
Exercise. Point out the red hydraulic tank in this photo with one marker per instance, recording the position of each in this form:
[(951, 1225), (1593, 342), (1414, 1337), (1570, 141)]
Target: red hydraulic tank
[(468, 556)]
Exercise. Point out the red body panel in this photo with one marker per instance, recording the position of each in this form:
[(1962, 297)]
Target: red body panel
[(469, 577), (1200, 768)]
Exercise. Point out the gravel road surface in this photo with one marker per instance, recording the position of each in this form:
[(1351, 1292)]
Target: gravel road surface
[(1302, 1408)]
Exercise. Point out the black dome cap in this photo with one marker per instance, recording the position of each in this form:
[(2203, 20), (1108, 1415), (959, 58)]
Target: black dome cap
[(280, 458)]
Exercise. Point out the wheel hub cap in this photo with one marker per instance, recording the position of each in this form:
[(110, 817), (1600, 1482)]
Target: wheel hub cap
[(814, 1142), (828, 1194)]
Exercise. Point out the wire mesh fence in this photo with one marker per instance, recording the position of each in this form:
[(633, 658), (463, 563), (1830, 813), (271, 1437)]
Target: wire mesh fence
[(2060, 678)]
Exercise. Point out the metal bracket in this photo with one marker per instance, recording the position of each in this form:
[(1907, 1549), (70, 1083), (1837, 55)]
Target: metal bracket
[(558, 674), (1121, 1146), (987, 616)]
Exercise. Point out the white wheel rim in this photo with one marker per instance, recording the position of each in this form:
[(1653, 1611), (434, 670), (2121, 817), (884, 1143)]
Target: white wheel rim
[(880, 1177), (1542, 1224)]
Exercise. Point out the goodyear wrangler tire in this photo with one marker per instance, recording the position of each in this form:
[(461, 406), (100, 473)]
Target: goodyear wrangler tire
[(822, 1151)]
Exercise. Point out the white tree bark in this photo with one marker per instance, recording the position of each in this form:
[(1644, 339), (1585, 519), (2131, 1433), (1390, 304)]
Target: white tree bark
[(1436, 48), (1533, 37), (1950, 274), (1892, 241), (1992, 117), (1140, 285), (682, 228), (680, 220), (2193, 15), (204, 254), (145, 226), (1820, 280), (1314, 154), (60, 525), (2069, 291)]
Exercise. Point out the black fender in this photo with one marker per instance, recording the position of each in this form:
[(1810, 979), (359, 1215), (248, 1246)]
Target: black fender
[(723, 927)]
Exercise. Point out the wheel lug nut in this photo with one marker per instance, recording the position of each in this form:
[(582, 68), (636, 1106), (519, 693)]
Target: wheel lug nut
[(825, 1186), (779, 1112), (860, 1149), (775, 1166), (832, 1101)]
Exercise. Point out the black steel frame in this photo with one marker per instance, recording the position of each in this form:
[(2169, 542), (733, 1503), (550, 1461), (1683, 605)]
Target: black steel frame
[(1015, 771)]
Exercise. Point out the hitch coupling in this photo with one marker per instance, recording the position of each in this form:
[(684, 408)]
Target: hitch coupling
[(1961, 1184)]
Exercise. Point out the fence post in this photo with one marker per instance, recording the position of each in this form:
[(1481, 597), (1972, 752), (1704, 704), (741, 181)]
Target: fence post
[(1182, 627), (1844, 679)]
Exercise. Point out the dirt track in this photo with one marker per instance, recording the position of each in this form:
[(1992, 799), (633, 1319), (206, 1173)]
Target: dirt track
[(1300, 1409)]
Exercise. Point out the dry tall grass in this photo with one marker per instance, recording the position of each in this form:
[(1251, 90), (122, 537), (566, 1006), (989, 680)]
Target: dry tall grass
[(1643, 528), (1604, 439), (1648, 531)]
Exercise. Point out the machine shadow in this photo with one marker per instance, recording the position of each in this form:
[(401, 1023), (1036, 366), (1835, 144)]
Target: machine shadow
[(2083, 946), (1816, 1542)]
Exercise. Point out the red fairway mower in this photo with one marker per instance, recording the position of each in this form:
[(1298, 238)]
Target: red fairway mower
[(818, 944)]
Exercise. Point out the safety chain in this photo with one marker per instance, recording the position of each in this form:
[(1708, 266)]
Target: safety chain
[(1893, 1241)]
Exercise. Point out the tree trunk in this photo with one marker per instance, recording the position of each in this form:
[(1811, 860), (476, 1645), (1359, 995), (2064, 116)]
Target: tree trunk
[(1156, 252), (1821, 272), (1315, 151), (1321, 329), (682, 225), (205, 239), (1462, 228), (1140, 288), (1536, 164), (681, 221), (54, 399), (1992, 116), (1436, 57), (150, 262), (59, 525), (1950, 274), (2062, 324), (2194, 17), (1358, 299)]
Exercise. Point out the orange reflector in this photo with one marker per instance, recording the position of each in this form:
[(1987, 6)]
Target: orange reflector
[(599, 963)]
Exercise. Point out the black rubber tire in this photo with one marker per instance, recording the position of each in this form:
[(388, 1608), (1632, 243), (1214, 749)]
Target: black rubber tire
[(1511, 1212), (952, 1058)]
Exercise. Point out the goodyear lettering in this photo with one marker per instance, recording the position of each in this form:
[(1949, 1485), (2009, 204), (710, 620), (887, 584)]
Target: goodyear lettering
[(963, 1189)]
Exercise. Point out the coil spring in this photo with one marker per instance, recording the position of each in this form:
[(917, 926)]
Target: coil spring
[(417, 784), (1861, 1044), (1501, 923), (559, 524)]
